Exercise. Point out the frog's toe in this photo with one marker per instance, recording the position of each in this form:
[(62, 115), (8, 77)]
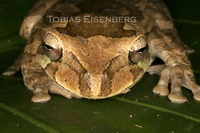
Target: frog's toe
[(176, 95), (197, 96), (162, 86), (161, 90), (191, 85), (40, 98), (177, 98), (54, 88)]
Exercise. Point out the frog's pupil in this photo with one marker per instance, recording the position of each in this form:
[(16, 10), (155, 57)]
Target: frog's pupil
[(46, 46), (142, 50)]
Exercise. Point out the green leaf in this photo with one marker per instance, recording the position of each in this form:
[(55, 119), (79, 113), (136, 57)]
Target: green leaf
[(138, 111)]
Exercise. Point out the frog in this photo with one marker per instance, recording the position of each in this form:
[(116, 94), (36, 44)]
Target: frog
[(97, 49)]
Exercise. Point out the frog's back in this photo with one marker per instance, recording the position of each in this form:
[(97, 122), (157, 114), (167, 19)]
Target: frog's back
[(113, 18)]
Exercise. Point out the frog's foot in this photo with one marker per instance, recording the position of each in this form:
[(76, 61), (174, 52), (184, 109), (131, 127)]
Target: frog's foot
[(179, 76), (40, 96), (56, 89)]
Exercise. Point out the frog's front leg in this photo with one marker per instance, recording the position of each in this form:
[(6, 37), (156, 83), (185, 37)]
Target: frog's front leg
[(35, 79), (177, 68), (33, 69), (38, 81)]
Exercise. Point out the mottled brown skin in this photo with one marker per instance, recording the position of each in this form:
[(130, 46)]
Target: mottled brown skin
[(98, 60)]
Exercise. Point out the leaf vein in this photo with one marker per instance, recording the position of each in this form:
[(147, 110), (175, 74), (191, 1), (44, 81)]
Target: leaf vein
[(157, 108), (31, 120)]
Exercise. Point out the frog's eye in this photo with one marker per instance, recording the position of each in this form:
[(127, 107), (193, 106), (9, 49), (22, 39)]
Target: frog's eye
[(51, 47), (138, 50)]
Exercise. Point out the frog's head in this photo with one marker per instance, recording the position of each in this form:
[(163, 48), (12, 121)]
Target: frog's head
[(94, 67), (91, 60)]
